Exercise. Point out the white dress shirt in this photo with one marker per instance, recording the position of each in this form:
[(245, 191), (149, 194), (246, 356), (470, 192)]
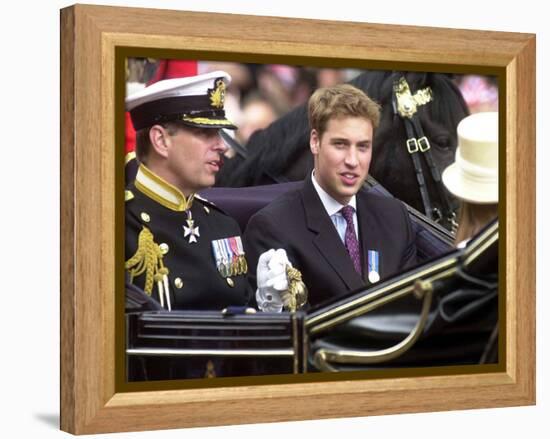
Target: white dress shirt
[(333, 208)]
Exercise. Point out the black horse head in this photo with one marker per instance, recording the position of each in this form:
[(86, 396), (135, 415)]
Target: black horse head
[(281, 151), (392, 165), (275, 154)]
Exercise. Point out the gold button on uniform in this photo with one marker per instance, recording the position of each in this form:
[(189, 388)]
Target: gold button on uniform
[(178, 282), (145, 217), (164, 248), (230, 282)]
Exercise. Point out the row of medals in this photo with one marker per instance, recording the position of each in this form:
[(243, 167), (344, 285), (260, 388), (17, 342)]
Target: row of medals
[(236, 267), (238, 264), (229, 261)]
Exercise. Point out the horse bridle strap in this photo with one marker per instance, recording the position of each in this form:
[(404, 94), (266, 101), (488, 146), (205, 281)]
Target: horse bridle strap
[(416, 134), (406, 106), (413, 146)]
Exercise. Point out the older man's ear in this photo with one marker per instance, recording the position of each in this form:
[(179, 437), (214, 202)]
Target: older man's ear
[(159, 140)]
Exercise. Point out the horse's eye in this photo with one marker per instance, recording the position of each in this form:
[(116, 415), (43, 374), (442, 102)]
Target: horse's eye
[(444, 142)]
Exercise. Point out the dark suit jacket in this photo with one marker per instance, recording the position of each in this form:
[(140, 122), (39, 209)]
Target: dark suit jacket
[(299, 223)]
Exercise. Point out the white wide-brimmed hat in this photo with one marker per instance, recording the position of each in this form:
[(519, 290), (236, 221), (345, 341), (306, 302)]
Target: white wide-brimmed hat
[(474, 174)]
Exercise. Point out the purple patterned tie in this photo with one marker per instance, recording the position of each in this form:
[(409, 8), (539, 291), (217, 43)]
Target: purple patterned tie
[(350, 240)]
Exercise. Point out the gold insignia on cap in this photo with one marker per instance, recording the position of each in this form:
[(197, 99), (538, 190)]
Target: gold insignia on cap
[(128, 195), (230, 282), (145, 217), (178, 283), (164, 248), (217, 94), (206, 209)]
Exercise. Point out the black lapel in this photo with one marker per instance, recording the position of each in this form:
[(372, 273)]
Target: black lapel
[(326, 237), (368, 240)]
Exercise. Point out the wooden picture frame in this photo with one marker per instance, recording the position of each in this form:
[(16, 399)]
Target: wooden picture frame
[(90, 37)]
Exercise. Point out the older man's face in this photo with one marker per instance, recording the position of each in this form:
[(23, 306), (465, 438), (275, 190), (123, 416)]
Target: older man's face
[(194, 158), (342, 156)]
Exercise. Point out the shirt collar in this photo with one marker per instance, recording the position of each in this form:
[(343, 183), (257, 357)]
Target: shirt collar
[(330, 204)]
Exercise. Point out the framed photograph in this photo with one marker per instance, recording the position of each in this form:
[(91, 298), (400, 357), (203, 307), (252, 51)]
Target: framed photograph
[(105, 385)]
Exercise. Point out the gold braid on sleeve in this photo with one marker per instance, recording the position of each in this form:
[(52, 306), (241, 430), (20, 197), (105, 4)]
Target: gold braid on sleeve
[(297, 290)]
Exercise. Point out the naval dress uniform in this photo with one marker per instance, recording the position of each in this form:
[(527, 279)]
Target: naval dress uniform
[(182, 251), (186, 254)]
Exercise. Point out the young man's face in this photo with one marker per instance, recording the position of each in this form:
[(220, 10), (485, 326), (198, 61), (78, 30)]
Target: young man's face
[(194, 157), (342, 156)]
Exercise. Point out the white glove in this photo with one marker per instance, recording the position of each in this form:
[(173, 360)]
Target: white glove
[(272, 280)]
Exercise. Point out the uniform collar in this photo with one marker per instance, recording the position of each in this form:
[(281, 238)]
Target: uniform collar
[(161, 191), (330, 204)]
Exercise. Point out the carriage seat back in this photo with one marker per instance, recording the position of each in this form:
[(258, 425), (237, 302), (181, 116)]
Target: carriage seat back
[(242, 203)]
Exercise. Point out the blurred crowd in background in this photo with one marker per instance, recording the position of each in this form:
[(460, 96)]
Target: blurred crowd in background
[(261, 93)]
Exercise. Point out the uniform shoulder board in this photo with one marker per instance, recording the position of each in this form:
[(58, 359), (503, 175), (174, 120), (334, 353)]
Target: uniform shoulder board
[(207, 204), (128, 195), (204, 200)]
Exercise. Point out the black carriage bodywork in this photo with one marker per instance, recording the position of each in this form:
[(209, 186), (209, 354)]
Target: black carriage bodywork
[(207, 344), (443, 312)]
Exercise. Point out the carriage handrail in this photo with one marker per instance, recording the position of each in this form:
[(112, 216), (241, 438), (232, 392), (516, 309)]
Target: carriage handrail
[(324, 356)]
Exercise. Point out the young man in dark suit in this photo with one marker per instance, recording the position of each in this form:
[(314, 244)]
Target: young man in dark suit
[(337, 234)]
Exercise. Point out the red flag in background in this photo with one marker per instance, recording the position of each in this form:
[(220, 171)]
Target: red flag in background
[(174, 68), (167, 69), (130, 139)]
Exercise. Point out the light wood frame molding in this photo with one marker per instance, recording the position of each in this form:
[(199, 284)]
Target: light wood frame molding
[(90, 35)]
